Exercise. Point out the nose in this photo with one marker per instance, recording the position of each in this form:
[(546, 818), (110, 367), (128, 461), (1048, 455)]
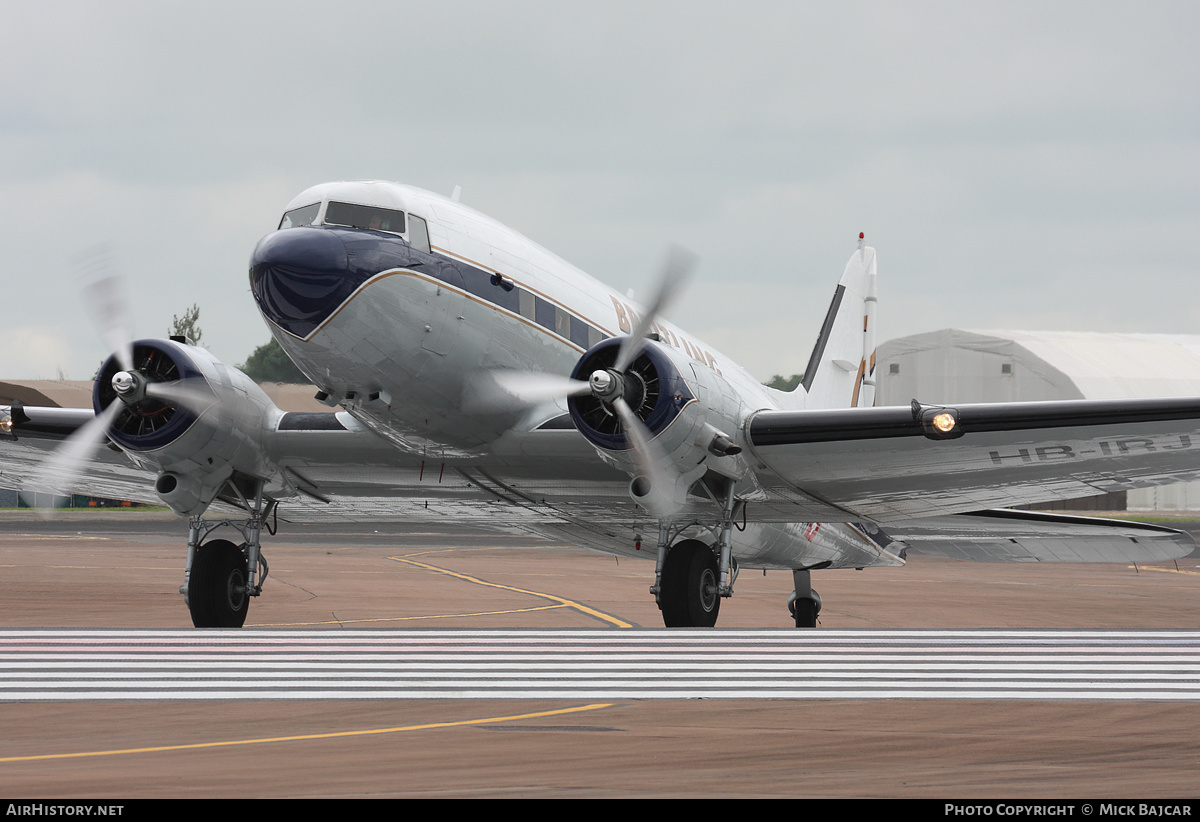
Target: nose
[(299, 277)]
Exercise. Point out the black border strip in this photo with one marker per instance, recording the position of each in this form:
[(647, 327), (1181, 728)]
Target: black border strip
[(793, 427), (814, 359), (50, 423)]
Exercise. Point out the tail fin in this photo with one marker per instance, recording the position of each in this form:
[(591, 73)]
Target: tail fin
[(841, 369)]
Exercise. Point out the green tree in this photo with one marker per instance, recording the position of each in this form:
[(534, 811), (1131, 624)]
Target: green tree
[(784, 384), (188, 325), (268, 363)]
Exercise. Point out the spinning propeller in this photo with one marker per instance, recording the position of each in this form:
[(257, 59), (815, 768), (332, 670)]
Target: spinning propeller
[(620, 389), (143, 393)]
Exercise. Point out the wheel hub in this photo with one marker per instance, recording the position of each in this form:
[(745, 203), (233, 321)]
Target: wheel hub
[(709, 590), (235, 589)]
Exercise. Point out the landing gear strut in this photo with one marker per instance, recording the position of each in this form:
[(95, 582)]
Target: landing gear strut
[(222, 576)]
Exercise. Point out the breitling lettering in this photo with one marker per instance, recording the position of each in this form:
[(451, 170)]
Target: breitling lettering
[(627, 318)]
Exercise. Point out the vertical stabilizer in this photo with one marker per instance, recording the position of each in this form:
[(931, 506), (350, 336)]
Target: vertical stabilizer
[(841, 368)]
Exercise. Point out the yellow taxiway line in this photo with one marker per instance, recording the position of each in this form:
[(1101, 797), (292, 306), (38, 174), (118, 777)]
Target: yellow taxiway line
[(334, 735), (612, 620)]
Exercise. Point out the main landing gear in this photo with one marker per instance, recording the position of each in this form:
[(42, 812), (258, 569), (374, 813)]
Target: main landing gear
[(689, 595), (221, 576), (217, 592), (691, 576)]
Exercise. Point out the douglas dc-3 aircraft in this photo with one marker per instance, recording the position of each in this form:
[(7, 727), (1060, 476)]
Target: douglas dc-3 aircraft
[(447, 340)]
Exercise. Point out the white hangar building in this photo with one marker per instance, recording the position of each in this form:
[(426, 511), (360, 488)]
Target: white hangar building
[(956, 366)]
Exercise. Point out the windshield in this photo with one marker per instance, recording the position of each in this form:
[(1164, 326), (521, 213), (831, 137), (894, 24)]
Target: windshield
[(300, 216), (361, 216)]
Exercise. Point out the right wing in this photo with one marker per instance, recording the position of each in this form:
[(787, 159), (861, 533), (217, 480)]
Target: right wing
[(884, 464), (36, 433), (1030, 536)]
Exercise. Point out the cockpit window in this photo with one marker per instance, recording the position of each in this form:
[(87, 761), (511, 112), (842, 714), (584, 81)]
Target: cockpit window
[(304, 215), (361, 216)]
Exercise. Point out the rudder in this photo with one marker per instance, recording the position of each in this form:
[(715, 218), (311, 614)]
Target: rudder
[(841, 368)]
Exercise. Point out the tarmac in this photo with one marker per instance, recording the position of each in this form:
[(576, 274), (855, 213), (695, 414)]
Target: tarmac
[(123, 570)]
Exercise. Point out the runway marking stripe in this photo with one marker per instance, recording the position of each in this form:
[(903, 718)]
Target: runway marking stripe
[(50, 678), (303, 737), (487, 662), (13, 667), (856, 692), (667, 653), (577, 665), (700, 636)]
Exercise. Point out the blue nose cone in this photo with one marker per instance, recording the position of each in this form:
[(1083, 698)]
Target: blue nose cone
[(299, 277)]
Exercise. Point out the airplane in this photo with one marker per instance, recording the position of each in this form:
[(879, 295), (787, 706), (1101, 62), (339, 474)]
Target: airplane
[(481, 379)]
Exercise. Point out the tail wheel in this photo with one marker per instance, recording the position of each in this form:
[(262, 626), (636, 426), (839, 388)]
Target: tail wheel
[(805, 613), (690, 595), (217, 595)]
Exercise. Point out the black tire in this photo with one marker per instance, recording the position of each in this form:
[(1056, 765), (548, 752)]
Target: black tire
[(806, 613), (217, 595), (690, 592)]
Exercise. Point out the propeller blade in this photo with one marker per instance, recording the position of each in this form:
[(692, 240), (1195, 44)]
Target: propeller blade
[(59, 472), (679, 266), (103, 287), (652, 463), (496, 391), (194, 398)]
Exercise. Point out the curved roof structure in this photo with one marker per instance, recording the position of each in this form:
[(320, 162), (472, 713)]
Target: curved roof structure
[(959, 366), (956, 365)]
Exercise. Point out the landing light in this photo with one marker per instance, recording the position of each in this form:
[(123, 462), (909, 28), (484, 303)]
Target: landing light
[(937, 423), (944, 422)]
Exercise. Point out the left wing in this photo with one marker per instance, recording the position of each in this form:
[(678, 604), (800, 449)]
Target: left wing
[(894, 464)]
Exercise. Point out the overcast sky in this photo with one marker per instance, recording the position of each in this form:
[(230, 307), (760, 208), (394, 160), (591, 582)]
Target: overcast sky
[(1016, 165)]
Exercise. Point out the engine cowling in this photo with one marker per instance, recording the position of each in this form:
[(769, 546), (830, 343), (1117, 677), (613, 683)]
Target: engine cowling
[(215, 422), (690, 411)]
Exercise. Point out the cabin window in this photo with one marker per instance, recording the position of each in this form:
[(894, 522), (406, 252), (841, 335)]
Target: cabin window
[(579, 332), (562, 323), (362, 216), (545, 313), (299, 216), (528, 310), (418, 233)]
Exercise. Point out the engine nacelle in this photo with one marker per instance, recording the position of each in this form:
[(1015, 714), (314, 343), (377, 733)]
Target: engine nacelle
[(692, 413), (214, 423)]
